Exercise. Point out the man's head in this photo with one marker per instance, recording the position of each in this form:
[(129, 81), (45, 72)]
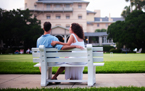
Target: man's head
[(47, 26)]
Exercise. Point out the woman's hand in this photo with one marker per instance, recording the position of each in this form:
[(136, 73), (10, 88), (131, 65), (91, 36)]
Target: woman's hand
[(80, 47), (53, 43)]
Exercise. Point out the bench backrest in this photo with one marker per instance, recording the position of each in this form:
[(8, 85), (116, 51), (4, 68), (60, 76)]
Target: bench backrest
[(89, 54)]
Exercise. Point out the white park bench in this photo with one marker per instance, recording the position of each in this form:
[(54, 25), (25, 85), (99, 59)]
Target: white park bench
[(49, 56)]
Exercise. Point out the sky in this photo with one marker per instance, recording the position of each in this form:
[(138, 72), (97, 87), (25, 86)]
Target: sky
[(112, 7)]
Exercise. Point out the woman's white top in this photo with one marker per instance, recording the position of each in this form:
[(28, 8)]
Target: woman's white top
[(75, 72)]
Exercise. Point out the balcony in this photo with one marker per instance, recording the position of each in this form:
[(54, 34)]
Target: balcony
[(63, 9)]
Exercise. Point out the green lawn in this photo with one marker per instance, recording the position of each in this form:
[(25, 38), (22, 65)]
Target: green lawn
[(107, 57), (124, 57), (119, 63)]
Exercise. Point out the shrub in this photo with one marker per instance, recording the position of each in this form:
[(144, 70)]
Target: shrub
[(9, 50), (115, 50), (106, 48)]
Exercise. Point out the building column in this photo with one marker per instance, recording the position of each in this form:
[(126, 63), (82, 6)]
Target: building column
[(100, 40), (105, 39), (65, 38)]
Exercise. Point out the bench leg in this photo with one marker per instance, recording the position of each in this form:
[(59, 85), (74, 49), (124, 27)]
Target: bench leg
[(43, 75), (94, 74), (90, 76)]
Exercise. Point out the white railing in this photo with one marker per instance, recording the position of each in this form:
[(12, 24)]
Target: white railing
[(54, 9)]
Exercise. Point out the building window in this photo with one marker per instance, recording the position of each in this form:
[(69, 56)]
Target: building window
[(58, 17), (48, 6), (67, 26), (98, 25), (79, 17), (48, 17), (67, 17), (35, 6), (57, 6), (67, 6), (58, 25), (79, 6), (106, 25), (35, 16)]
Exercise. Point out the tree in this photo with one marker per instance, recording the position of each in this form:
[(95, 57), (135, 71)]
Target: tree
[(130, 32), (17, 27), (139, 4), (125, 12), (100, 30)]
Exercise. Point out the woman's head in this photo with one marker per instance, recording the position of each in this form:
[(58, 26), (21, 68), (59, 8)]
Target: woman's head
[(77, 29)]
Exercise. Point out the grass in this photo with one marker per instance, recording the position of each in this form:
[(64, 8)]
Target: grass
[(16, 58), (109, 67), (119, 63), (131, 88), (124, 57), (107, 57)]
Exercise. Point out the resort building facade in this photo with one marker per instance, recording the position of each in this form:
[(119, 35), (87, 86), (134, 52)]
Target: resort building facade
[(62, 13)]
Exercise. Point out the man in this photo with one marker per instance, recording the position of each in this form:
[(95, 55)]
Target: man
[(46, 40)]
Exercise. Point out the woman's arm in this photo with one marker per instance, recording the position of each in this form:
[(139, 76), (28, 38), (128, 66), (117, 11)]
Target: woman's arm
[(71, 39)]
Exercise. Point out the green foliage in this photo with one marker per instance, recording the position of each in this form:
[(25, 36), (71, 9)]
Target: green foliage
[(139, 4), (18, 26), (121, 88), (100, 30), (106, 48), (130, 32), (126, 11)]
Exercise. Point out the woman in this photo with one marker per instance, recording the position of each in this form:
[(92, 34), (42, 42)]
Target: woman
[(76, 38)]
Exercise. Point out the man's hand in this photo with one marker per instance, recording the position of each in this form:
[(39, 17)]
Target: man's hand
[(53, 43), (80, 47)]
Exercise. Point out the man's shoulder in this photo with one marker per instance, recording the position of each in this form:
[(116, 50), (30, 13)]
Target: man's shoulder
[(53, 36)]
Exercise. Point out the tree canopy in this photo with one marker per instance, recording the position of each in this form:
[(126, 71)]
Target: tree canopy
[(100, 30), (130, 32), (18, 28)]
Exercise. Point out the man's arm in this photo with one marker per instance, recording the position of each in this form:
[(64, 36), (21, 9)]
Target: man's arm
[(66, 47)]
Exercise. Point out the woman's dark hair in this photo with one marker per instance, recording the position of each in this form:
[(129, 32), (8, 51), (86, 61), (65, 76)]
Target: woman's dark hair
[(47, 26), (78, 30)]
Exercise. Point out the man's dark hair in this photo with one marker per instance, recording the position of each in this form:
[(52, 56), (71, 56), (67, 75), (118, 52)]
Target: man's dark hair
[(78, 30), (47, 26)]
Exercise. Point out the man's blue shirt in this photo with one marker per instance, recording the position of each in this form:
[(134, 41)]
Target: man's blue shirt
[(46, 41)]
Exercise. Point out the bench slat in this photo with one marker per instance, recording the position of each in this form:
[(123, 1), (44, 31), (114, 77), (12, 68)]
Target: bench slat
[(97, 48), (98, 59), (65, 54), (36, 54), (54, 49), (75, 49), (36, 60), (35, 49), (68, 65), (97, 54), (66, 60)]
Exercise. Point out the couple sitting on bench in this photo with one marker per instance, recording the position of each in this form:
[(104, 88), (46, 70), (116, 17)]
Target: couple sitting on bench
[(75, 41)]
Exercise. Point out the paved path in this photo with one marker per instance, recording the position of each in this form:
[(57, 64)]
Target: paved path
[(102, 80)]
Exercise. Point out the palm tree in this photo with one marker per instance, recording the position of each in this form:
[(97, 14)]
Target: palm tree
[(126, 11), (139, 4)]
